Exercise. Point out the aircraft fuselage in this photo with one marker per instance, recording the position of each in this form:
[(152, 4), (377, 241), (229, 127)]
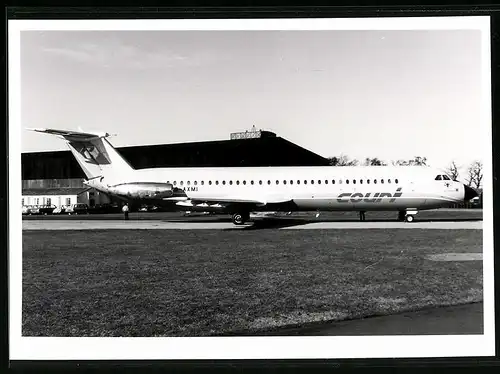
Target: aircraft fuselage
[(306, 188)]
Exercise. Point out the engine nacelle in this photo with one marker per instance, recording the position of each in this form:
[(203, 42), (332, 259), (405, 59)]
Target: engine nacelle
[(143, 190)]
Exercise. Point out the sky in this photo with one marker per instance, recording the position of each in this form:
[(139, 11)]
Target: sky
[(386, 94)]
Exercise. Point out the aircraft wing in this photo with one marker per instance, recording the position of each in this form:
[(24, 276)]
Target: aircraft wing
[(236, 200), (243, 200)]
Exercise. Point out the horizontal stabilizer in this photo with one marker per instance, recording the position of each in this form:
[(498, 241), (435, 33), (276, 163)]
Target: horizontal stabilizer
[(72, 135)]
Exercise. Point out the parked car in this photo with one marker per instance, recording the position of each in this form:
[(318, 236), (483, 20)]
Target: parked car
[(105, 208), (33, 210), (475, 201), (78, 208), (46, 209), (59, 210), (148, 208)]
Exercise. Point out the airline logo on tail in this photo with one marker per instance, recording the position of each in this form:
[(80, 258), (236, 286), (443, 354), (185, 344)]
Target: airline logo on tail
[(92, 152), (357, 197)]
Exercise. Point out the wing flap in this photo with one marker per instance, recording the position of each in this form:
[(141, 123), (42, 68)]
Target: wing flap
[(242, 200)]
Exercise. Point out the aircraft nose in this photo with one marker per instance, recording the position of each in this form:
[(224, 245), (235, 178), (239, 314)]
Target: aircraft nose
[(469, 193)]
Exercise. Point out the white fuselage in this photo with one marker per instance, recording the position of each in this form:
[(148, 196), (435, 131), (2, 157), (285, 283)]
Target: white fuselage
[(309, 188)]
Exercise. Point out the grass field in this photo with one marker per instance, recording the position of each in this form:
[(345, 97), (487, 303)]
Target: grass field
[(211, 282)]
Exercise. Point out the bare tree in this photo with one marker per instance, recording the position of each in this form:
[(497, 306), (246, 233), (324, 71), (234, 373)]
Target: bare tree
[(421, 161), (333, 161), (400, 163), (374, 162), (417, 160), (475, 174), (452, 171), (346, 161), (342, 160)]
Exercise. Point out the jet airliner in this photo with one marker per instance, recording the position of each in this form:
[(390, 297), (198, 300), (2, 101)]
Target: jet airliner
[(240, 190)]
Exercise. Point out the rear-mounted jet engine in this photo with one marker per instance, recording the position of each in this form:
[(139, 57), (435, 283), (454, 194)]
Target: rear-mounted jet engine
[(143, 190)]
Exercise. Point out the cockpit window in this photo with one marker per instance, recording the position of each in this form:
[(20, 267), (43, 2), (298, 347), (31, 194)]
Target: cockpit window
[(446, 178), (439, 177)]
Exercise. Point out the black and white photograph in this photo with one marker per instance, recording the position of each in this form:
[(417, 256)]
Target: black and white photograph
[(231, 189)]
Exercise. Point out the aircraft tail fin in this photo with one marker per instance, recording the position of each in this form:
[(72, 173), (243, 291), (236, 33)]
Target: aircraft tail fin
[(94, 153)]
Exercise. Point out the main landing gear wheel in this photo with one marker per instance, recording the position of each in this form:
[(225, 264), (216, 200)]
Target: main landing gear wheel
[(409, 218), (240, 218)]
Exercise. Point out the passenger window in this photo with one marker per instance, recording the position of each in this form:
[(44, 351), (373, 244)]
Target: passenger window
[(231, 182), (340, 181), (260, 182), (188, 183), (268, 181), (388, 181), (238, 183), (245, 182), (333, 181), (395, 180), (347, 181), (305, 181), (326, 181), (210, 182), (217, 182), (284, 182), (291, 181), (195, 183), (277, 182), (382, 181), (438, 178), (202, 183), (312, 182), (182, 183), (175, 183), (298, 181), (375, 181), (354, 181), (367, 181), (361, 181), (319, 182), (224, 182)]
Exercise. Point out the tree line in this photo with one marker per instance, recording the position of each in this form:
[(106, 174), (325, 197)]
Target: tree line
[(344, 160), (473, 175)]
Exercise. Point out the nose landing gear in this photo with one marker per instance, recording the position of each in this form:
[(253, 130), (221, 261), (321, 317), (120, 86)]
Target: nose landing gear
[(408, 216)]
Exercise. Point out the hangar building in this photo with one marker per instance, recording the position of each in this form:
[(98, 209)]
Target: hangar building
[(55, 178)]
